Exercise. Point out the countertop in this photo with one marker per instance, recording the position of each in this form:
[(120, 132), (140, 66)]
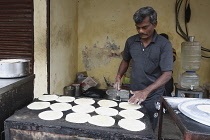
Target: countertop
[(191, 129), (10, 83)]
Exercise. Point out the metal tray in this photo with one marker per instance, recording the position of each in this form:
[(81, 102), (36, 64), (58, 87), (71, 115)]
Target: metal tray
[(124, 94)]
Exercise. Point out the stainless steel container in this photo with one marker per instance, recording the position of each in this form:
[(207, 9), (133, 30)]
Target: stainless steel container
[(13, 68), (124, 94), (69, 90), (77, 90)]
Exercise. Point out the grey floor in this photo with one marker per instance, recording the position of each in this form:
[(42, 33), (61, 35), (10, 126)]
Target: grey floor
[(170, 131)]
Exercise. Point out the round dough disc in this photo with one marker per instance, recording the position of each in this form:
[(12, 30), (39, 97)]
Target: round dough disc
[(131, 125), (106, 111), (38, 105), (78, 117), (48, 97), (131, 114), (84, 101), (65, 99), (107, 103), (83, 108), (50, 115), (60, 106), (126, 105), (100, 120), (204, 108)]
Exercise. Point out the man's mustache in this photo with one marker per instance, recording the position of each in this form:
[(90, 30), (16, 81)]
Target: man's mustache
[(142, 34)]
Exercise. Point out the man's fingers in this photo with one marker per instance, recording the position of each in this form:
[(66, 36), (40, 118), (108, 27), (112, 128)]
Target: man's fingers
[(131, 92), (118, 86), (131, 100), (135, 101), (140, 101)]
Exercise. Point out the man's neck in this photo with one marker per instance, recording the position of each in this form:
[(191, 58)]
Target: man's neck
[(146, 41)]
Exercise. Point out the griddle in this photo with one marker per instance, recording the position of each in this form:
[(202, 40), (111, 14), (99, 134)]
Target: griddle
[(190, 128), (189, 108), (26, 119)]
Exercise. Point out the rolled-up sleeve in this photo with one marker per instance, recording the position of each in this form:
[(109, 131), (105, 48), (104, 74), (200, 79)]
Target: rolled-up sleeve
[(166, 59), (126, 53)]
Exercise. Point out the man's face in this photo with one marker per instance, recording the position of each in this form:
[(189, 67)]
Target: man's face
[(145, 29)]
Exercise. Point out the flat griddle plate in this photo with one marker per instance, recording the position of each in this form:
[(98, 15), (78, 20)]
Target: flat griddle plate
[(189, 108)]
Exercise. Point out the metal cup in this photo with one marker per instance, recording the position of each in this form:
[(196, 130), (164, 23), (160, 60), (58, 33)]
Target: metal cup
[(69, 90)]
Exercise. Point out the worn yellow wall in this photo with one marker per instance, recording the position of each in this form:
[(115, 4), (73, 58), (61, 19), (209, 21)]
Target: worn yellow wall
[(199, 27), (63, 47), (104, 25), (40, 38), (63, 44)]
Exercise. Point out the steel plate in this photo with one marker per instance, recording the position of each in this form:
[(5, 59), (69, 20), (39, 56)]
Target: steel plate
[(189, 108), (124, 94)]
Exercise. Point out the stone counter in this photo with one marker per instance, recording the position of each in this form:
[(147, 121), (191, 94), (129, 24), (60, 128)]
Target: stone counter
[(14, 94)]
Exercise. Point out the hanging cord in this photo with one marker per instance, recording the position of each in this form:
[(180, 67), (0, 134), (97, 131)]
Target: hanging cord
[(187, 15), (178, 26), (204, 49), (205, 56), (179, 29), (207, 50)]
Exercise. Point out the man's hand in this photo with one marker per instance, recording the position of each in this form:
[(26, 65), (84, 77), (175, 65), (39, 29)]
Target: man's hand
[(138, 97), (117, 83), (141, 95)]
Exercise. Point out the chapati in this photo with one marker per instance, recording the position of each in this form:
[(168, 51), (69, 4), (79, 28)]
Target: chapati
[(107, 103), (38, 105), (204, 108), (60, 106), (131, 114), (84, 101), (83, 108), (78, 117), (50, 115), (65, 99), (100, 120), (126, 105), (106, 111), (48, 97), (131, 124)]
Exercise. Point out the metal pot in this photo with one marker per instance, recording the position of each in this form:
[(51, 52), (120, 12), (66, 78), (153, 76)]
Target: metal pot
[(13, 68)]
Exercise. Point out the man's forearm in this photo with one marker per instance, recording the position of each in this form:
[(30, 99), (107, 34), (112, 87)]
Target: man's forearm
[(123, 68), (162, 80)]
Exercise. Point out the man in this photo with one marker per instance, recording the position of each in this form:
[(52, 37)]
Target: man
[(169, 86), (152, 63)]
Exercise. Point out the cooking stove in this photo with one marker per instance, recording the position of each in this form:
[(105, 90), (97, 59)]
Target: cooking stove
[(25, 124)]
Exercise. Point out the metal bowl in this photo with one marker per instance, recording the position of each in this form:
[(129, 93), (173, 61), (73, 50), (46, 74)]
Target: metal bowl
[(13, 68)]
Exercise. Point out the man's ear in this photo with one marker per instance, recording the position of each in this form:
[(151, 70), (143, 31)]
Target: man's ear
[(155, 24)]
